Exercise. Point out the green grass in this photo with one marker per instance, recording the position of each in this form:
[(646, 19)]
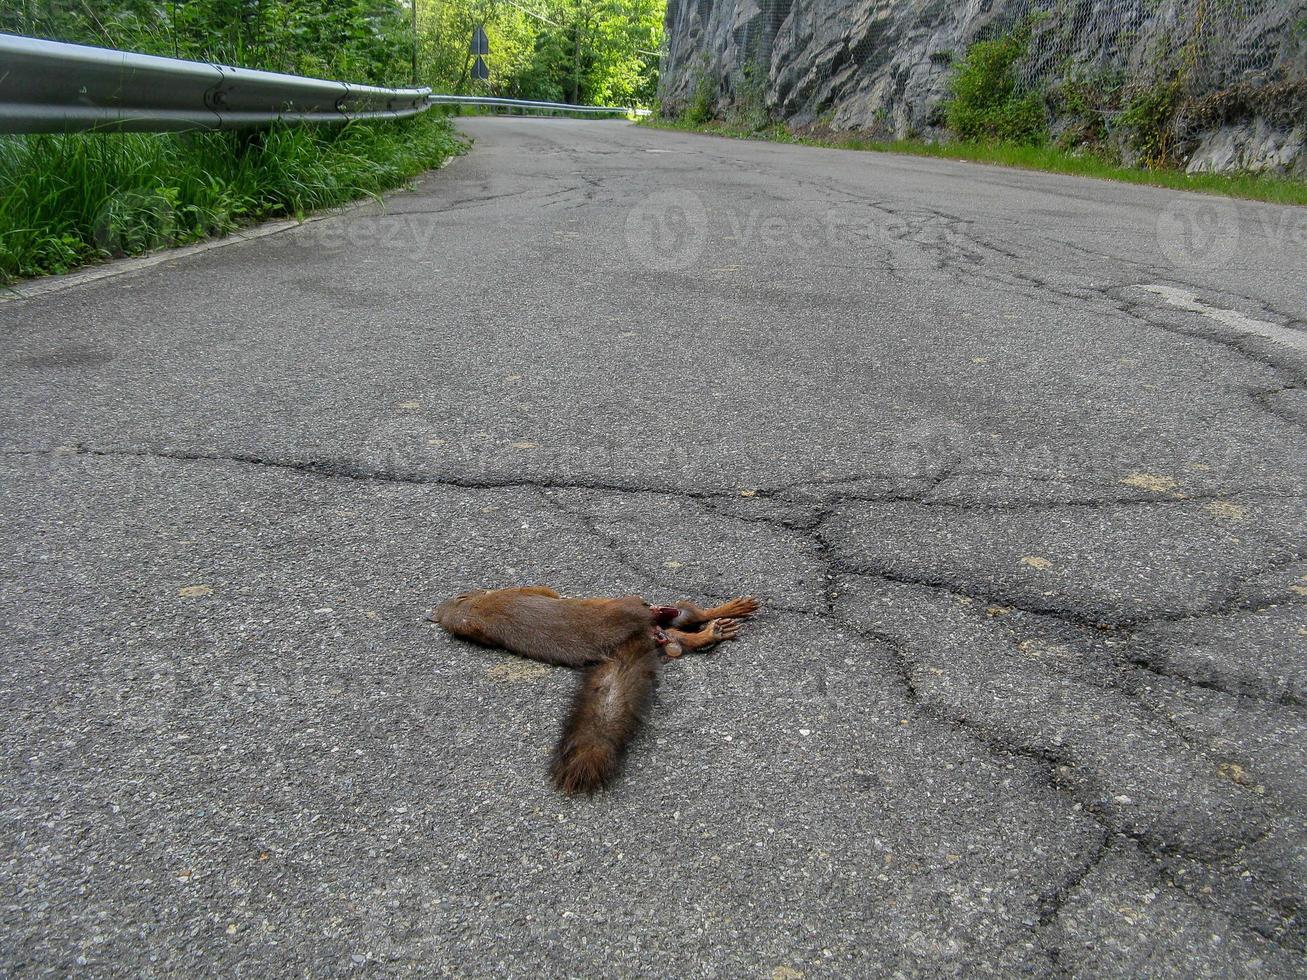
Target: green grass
[(69, 200), (1254, 187)]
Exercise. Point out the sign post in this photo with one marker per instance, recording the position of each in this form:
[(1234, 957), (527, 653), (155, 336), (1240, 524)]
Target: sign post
[(480, 46)]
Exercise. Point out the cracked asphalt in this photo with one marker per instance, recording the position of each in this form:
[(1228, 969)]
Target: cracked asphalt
[(1015, 462)]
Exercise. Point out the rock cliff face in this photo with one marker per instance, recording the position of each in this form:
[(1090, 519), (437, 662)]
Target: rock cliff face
[(883, 66)]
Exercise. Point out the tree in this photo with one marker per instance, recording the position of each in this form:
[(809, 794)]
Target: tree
[(584, 51)]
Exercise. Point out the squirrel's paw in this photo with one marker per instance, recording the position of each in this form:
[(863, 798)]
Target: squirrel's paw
[(724, 629), (745, 605)]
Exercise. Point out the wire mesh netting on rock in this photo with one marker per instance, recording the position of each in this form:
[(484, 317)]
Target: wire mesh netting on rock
[(1172, 69)]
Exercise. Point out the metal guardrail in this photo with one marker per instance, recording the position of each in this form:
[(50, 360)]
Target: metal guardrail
[(52, 87), (49, 86), (486, 100)]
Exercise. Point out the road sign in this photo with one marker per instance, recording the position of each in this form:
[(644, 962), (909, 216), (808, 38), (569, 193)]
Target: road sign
[(480, 71), (480, 43)]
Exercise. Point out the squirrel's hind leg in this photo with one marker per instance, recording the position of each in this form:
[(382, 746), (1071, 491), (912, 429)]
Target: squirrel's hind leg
[(716, 631)]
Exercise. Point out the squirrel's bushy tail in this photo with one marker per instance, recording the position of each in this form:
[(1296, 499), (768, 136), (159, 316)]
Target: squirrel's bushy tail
[(606, 711)]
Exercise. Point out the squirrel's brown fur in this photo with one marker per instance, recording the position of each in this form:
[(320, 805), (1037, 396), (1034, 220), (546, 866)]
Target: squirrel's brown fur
[(616, 642), (608, 706)]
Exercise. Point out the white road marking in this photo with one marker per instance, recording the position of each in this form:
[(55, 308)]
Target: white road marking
[(1239, 322)]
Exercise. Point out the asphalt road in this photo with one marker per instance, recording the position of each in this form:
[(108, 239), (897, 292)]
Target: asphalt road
[(1016, 462)]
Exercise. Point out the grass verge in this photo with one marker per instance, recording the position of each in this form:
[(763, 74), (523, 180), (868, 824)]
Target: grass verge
[(70, 200), (1253, 187)]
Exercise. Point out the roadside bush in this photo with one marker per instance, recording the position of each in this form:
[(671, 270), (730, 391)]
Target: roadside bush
[(352, 40), (1084, 102), (749, 102), (703, 101), (1146, 121), (69, 200), (984, 103)]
